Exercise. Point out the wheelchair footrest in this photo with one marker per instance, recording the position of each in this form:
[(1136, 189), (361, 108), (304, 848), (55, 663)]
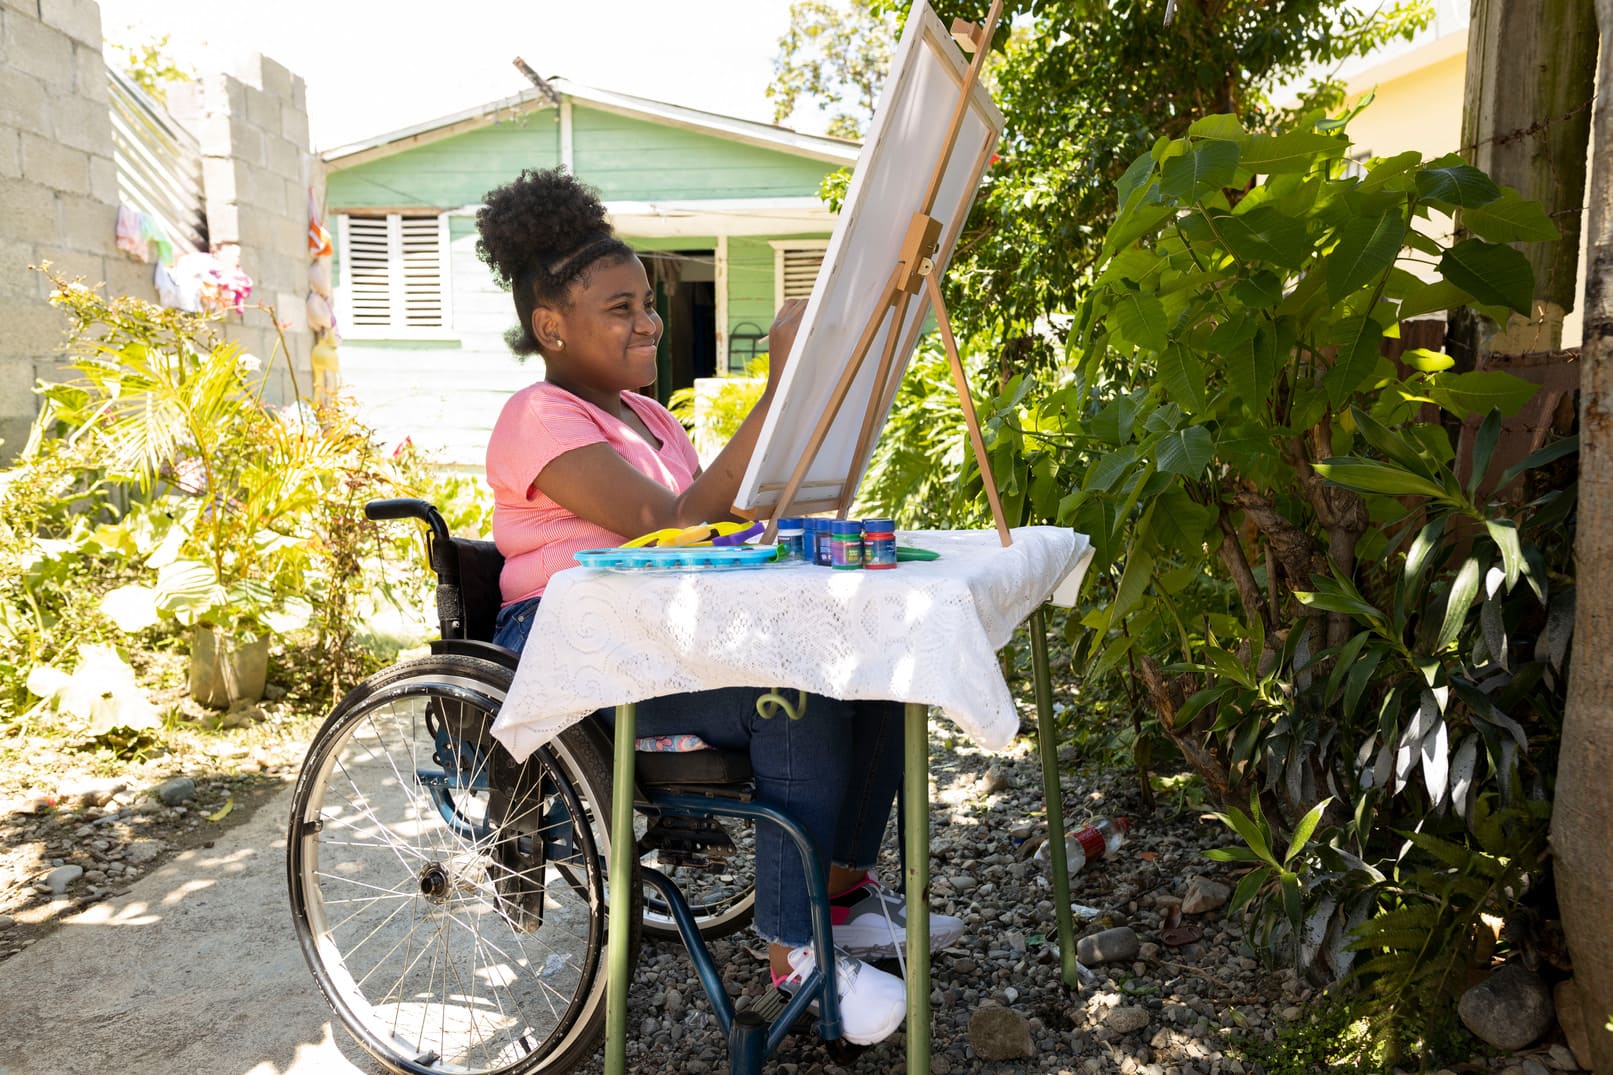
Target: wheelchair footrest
[(687, 841)]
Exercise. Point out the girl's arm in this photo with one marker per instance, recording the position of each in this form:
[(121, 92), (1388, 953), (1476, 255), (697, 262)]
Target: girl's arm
[(597, 484)]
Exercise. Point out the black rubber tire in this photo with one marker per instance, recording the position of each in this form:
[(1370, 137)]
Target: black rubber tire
[(406, 919)]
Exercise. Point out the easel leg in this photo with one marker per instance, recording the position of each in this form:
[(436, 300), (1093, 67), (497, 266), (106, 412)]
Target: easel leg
[(1047, 740), (622, 853), (916, 782)]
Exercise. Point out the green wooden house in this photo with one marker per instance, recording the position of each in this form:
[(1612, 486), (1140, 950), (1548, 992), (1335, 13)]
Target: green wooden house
[(725, 212)]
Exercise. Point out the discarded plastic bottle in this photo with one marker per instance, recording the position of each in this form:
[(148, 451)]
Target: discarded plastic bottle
[(1089, 842)]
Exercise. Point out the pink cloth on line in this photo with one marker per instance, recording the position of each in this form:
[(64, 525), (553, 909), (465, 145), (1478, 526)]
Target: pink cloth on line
[(540, 423)]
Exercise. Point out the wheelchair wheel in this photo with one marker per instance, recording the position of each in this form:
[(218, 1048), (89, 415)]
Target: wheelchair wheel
[(721, 894), (451, 902)]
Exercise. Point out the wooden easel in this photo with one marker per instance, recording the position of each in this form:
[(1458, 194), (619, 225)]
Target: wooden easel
[(912, 276)]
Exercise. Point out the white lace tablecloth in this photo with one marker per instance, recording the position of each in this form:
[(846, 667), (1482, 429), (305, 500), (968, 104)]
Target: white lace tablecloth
[(927, 632)]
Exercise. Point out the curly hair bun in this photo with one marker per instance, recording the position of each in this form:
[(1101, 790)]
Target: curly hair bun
[(539, 218)]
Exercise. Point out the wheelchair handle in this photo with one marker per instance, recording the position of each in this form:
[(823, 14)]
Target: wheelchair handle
[(439, 551)]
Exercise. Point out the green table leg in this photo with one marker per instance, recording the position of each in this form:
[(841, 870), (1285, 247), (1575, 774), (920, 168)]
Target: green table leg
[(621, 895), (917, 805), (1047, 737)]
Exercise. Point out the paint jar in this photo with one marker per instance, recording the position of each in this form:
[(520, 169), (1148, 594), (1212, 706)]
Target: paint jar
[(809, 540), (822, 541), (879, 544), (791, 535), (846, 545)]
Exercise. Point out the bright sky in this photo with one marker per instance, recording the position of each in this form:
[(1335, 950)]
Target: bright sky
[(375, 67)]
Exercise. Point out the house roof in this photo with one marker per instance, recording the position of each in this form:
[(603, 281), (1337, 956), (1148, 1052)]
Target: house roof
[(765, 135)]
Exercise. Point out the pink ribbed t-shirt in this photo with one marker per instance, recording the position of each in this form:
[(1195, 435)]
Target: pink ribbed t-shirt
[(542, 421)]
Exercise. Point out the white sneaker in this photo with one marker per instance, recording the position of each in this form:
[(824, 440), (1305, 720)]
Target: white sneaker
[(872, 1003), (870, 922)]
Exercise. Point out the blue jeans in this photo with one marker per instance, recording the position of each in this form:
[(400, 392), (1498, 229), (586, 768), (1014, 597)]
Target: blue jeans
[(835, 771)]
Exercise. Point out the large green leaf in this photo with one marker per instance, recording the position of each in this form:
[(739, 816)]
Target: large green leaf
[(1367, 247), (1383, 174), (1186, 452), (1221, 125), (1491, 273), (1208, 167), (1264, 234), (1357, 340), (1138, 319), (1438, 295), (1295, 151), (1251, 369), (1454, 182), (1376, 476), (1510, 219), (1479, 391), (1302, 831), (1464, 587), (1264, 288), (1182, 375), (1133, 179)]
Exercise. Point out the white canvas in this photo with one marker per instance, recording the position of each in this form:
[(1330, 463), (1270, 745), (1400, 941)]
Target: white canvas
[(904, 144)]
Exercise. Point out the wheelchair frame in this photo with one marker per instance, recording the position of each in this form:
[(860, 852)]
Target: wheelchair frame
[(750, 1038)]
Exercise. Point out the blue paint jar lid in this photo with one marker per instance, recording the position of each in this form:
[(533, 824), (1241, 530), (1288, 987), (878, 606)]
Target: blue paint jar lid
[(847, 527), (879, 526), (791, 525)]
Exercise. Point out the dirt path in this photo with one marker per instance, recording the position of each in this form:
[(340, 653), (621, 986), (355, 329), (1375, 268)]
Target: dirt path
[(194, 969)]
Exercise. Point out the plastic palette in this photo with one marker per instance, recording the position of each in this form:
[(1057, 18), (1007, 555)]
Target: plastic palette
[(682, 558)]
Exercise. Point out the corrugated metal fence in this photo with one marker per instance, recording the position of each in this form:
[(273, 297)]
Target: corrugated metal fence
[(159, 165)]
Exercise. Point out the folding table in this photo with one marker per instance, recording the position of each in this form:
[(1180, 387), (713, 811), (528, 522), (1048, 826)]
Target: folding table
[(925, 634)]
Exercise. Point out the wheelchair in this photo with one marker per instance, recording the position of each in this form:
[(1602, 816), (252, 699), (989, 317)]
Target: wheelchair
[(453, 904)]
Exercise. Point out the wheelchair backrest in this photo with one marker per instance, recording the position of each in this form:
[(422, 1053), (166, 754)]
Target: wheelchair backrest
[(479, 567)]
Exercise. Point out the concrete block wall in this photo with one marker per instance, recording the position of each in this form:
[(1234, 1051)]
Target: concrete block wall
[(58, 190), (59, 193), (257, 169)]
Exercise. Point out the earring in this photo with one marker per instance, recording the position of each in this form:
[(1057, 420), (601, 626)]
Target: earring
[(560, 345)]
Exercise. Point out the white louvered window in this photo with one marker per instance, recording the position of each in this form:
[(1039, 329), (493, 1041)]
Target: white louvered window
[(394, 274), (795, 268)]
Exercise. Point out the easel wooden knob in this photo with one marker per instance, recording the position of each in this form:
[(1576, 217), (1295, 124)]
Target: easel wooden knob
[(967, 34)]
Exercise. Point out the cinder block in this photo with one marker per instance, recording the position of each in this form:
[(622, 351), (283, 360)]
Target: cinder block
[(28, 210), (17, 280), (70, 263), (39, 50), (299, 94), (219, 179), (89, 74), (128, 277), (33, 328), (22, 100), (214, 133), (104, 180), (10, 154), (276, 79), (55, 165), (263, 110), (79, 19), (223, 222), (294, 125), (86, 224), (246, 144), (81, 123), (282, 158)]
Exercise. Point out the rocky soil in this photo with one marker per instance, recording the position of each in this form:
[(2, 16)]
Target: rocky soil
[(1171, 987)]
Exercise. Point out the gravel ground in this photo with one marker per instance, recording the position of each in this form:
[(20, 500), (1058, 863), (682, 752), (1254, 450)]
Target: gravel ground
[(1185, 997)]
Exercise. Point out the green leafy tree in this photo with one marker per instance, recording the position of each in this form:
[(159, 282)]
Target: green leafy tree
[(150, 65), (1087, 86), (834, 56)]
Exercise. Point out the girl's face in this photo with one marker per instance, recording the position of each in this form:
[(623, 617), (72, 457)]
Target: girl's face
[(609, 332)]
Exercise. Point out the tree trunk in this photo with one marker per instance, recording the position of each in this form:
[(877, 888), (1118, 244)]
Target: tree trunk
[(1582, 819), (1531, 72)]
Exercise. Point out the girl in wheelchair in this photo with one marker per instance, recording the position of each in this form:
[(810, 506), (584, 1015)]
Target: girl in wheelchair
[(579, 460)]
